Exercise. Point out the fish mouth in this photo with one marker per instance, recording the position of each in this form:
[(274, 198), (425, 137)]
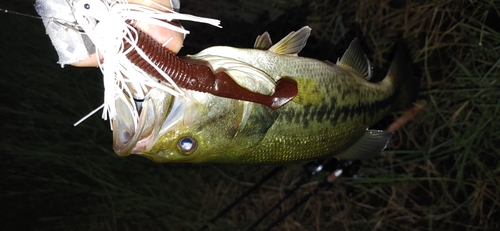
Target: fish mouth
[(139, 123)]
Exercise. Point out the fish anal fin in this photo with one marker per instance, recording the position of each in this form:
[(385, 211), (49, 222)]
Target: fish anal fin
[(263, 42), (354, 59), (371, 144), (293, 43)]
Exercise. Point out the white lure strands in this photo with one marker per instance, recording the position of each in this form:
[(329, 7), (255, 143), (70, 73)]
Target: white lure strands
[(105, 23)]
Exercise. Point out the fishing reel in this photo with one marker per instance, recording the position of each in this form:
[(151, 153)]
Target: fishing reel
[(338, 167), (335, 168)]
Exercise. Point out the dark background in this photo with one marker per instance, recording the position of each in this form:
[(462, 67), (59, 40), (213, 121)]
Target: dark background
[(440, 172)]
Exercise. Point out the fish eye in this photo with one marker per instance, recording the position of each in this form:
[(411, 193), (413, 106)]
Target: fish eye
[(86, 6), (187, 145)]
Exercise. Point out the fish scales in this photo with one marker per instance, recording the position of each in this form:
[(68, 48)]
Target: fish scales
[(330, 87), (320, 84), (329, 116), (210, 108)]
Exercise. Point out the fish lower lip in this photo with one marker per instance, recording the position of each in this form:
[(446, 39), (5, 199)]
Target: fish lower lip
[(124, 129), (139, 121), (129, 137)]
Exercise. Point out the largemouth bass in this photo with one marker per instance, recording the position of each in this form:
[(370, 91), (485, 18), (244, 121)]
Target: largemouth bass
[(329, 116)]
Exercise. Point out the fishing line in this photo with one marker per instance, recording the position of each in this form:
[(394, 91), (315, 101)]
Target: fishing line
[(19, 13), (340, 168)]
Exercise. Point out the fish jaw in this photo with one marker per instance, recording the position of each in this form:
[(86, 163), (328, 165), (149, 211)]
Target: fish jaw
[(206, 127), (165, 126), (214, 129), (137, 126)]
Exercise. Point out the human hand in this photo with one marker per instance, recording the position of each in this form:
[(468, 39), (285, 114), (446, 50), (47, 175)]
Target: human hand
[(159, 34)]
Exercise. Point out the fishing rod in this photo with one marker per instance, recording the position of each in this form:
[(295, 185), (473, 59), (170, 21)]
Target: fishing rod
[(335, 167), (242, 196), (343, 168), (309, 174)]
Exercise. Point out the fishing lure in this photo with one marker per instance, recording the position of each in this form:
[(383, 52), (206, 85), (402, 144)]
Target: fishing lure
[(201, 78), (108, 25), (79, 28), (132, 57)]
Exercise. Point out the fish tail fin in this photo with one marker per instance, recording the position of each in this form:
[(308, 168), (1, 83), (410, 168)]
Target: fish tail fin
[(405, 83)]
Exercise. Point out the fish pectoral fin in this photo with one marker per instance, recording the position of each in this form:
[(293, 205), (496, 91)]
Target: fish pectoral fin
[(371, 144), (263, 42), (354, 59), (293, 43)]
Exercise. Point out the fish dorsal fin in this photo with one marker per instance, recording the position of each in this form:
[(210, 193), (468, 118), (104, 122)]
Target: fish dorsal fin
[(354, 59), (371, 144), (293, 43), (263, 42)]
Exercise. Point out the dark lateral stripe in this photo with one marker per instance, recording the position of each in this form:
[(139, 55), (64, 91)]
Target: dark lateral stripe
[(366, 110), (336, 114)]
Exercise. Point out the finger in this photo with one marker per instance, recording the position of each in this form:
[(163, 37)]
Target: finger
[(159, 34), (172, 40), (155, 4), (89, 62)]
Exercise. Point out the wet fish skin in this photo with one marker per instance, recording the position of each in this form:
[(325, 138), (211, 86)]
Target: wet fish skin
[(329, 116)]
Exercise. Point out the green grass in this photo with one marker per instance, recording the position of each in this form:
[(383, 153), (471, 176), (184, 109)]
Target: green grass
[(441, 171)]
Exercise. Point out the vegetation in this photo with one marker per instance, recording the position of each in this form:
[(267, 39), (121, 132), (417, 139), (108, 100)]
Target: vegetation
[(441, 171)]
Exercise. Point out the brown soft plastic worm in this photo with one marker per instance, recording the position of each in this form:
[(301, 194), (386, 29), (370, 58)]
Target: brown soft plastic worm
[(199, 77)]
